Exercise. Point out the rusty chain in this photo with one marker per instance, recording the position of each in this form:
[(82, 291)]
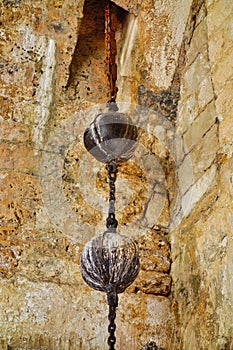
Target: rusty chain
[(111, 51), (111, 222)]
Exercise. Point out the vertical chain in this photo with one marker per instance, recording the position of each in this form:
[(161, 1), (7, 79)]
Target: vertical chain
[(112, 327), (111, 52), (112, 299), (111, 221)]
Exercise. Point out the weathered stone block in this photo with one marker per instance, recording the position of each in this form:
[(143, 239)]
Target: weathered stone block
[(194, 194), (205, 152), (154, 253), (23, 112), (200, 126), (218, 12), (226, 130), (196, 92), (185, 174), (20, 199), (17, 75), (205, 240), (188, 110), (26, 159), (158, 30), (205, 92), (150, 260), (15, 132), (20, 158), (156, 209), (223, 70), (153, 283), (9, 258), (198, 43), (19, 186), (6, 160), (42, 267), (224, 104), (195, 74), (221, 40), (14, 213)]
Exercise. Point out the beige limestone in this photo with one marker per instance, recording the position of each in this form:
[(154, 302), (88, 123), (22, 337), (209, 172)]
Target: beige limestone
[(220, 11), (223, 101), (207, 247), (45, 303), (43, 294), (199, 188), (153, 283), (221, 40), (195, 74), (205, 152), (196, 84), (185, 174), (166, 35), (222, 71), (202, 241), (200, 127), (226, 131), (198, 43)]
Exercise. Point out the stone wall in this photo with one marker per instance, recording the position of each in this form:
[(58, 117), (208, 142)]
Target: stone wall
[(175, 193), (52, 83), (202, 239)]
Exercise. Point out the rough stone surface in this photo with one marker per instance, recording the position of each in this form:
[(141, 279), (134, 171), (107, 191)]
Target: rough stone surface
[(52, 68), (153, 283), (201, 242), (174, 197), (201, 125), (154, 252)]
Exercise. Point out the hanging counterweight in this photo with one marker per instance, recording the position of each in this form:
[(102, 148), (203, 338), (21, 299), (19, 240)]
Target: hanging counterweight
[(110, 261), (111, 137)]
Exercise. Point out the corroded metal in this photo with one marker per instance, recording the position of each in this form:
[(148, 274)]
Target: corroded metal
[(111, 221), (111, 51), (112, 328), (110, 261), (111, 137)]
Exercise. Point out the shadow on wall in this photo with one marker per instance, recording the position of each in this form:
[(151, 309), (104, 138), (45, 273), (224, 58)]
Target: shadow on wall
[(88, 78)]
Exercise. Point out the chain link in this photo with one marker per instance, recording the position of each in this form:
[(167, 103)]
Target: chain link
[(111, 51), (112, 327), (112, 299), (111, 221)]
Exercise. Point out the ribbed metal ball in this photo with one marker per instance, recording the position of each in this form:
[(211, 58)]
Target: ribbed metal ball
[(111, 136), (108, 260)]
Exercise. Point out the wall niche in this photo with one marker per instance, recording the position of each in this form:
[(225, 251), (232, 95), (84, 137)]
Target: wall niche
[(88, 79)]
